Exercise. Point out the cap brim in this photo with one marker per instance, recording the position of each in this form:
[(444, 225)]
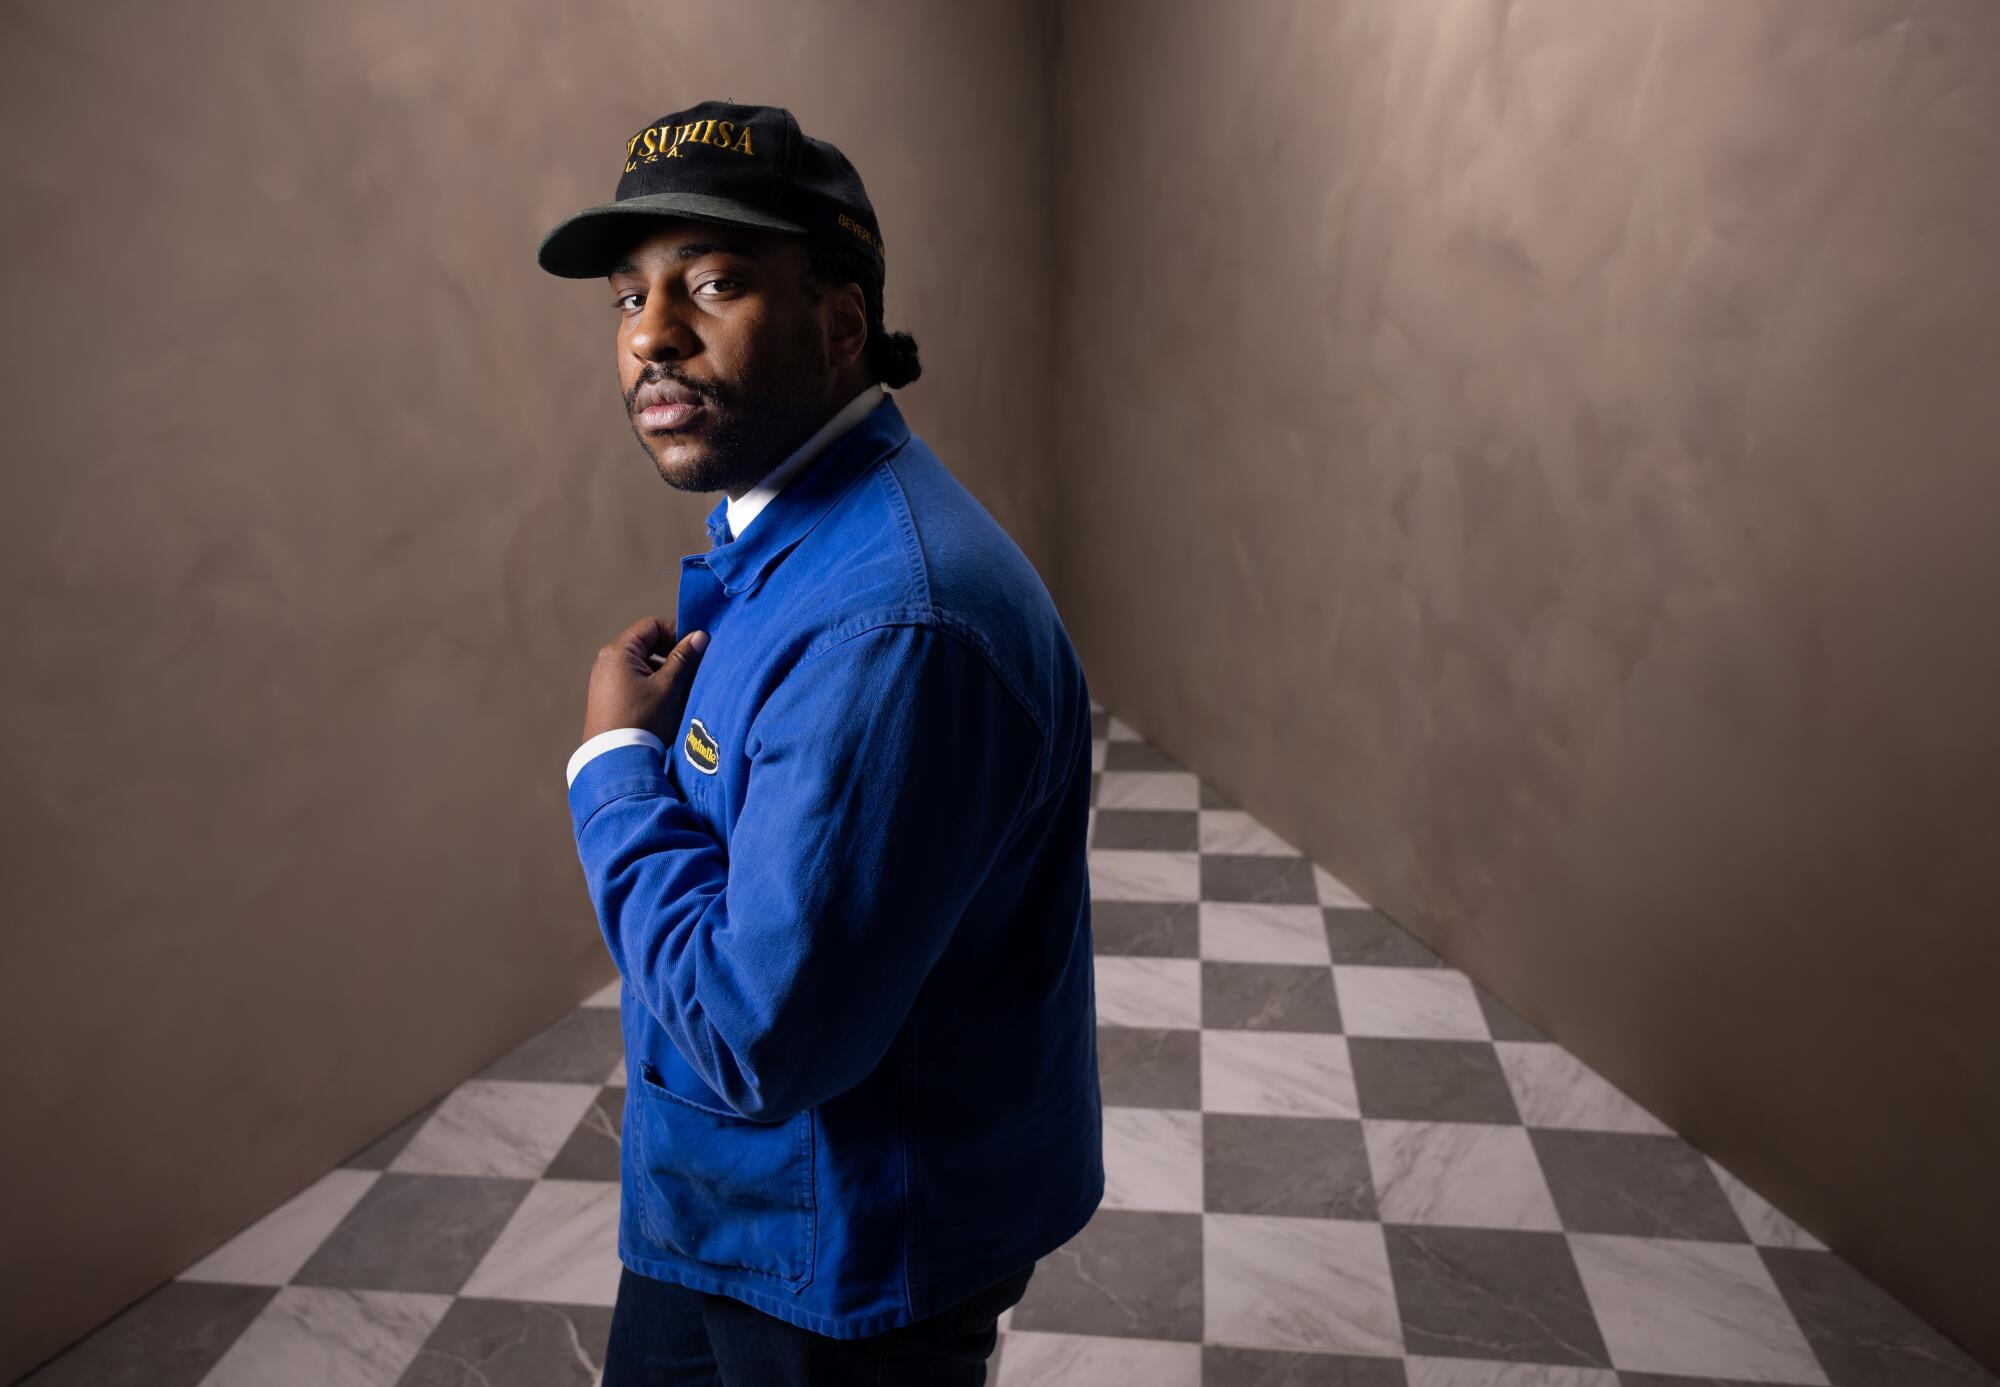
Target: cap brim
[(589, 244)]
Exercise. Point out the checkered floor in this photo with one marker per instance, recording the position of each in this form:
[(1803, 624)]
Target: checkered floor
[(1331, 1160)]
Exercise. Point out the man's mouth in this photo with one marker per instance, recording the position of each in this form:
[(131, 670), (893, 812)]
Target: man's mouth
[(671, 415), (662, 406)]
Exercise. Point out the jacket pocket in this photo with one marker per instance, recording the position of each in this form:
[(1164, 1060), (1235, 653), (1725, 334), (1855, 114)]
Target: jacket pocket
[(723, 1190)]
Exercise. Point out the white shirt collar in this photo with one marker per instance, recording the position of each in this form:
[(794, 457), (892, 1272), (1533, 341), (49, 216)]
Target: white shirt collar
[(742, 510)]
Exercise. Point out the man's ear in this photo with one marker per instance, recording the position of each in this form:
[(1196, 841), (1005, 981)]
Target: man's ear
[(846, 310)]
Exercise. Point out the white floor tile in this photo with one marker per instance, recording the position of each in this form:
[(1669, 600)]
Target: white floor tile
[(496, 1127), (1138, 991), (270, 1251), (1249, 932), (1233, 831), (1668, 1305), (1553, 1088), (1409, 1003), (1334, 892), (1119, 875), (1464, 1174), (330, 1338), (1298, 1283), (1482, 1372), (1148, 790), (561, 1245), (1766, 1226), (1152, 1159), (1084, 1360), (1277, 1073)]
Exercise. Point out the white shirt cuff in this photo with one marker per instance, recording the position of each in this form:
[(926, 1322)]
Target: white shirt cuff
[(605, 741)]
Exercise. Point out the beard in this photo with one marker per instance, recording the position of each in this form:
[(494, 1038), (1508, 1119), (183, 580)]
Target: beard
[(756, 420)]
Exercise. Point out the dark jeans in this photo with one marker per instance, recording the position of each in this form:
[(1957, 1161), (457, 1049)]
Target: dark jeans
[(666, 1335)]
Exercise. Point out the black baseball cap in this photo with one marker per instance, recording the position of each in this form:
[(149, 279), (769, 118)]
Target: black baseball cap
[(721, 162)]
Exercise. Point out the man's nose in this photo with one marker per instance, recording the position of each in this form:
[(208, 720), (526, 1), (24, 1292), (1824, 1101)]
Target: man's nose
[(661, 330)]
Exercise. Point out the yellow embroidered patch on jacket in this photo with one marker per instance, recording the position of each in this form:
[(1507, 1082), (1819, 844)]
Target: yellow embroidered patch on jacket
[(700, 749)]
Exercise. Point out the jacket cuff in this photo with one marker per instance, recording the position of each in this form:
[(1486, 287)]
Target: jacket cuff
[(623, 770), (604, 741)]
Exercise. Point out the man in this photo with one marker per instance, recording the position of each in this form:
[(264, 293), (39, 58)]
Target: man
[(850, 905)]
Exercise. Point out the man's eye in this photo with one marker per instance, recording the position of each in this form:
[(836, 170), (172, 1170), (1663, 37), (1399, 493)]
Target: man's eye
[(713, 282), (619, 302)]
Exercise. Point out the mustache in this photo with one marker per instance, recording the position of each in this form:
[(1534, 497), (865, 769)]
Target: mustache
[(706, 393)]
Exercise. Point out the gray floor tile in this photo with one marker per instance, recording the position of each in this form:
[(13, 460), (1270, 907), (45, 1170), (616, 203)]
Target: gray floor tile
[(385, 1148), (1160, 830), (591, 1153), (1861, 1334), (1257, 877), (1144, 1067), (1636, 1184), (1369, 937), (1430, 1080), (1146, 929), (415, 1233), (512, 1343), (579, 1049), (1224, 1365), (1502, 1020), (170, 1337), (1500, 1294), (1128, 1273), (1305, 1167), (1267, 997)]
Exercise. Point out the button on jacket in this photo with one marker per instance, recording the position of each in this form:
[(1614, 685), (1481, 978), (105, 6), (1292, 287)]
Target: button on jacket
[(851, 908)]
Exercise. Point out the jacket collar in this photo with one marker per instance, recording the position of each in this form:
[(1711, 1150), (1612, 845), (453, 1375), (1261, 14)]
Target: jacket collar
[(790, 515)]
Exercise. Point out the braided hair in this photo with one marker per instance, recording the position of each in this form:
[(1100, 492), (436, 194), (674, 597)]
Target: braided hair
[(892, 356)]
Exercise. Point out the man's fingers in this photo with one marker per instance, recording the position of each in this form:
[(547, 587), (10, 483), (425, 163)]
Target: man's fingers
[(682, 655), (634, 646), (647, 633)]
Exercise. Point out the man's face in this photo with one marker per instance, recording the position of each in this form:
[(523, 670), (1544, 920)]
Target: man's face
[(719, 314)]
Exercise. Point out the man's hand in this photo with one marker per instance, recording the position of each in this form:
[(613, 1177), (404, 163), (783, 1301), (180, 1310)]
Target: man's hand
[(625, 689)]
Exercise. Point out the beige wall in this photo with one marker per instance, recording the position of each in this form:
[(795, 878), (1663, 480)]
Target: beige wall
[(1537, 456), (318, 501), (1540, 457)]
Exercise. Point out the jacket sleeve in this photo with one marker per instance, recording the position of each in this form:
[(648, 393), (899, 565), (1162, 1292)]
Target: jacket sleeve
[(886, 773)]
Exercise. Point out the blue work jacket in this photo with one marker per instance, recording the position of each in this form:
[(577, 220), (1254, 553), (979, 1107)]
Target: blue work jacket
[(852, 910)]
